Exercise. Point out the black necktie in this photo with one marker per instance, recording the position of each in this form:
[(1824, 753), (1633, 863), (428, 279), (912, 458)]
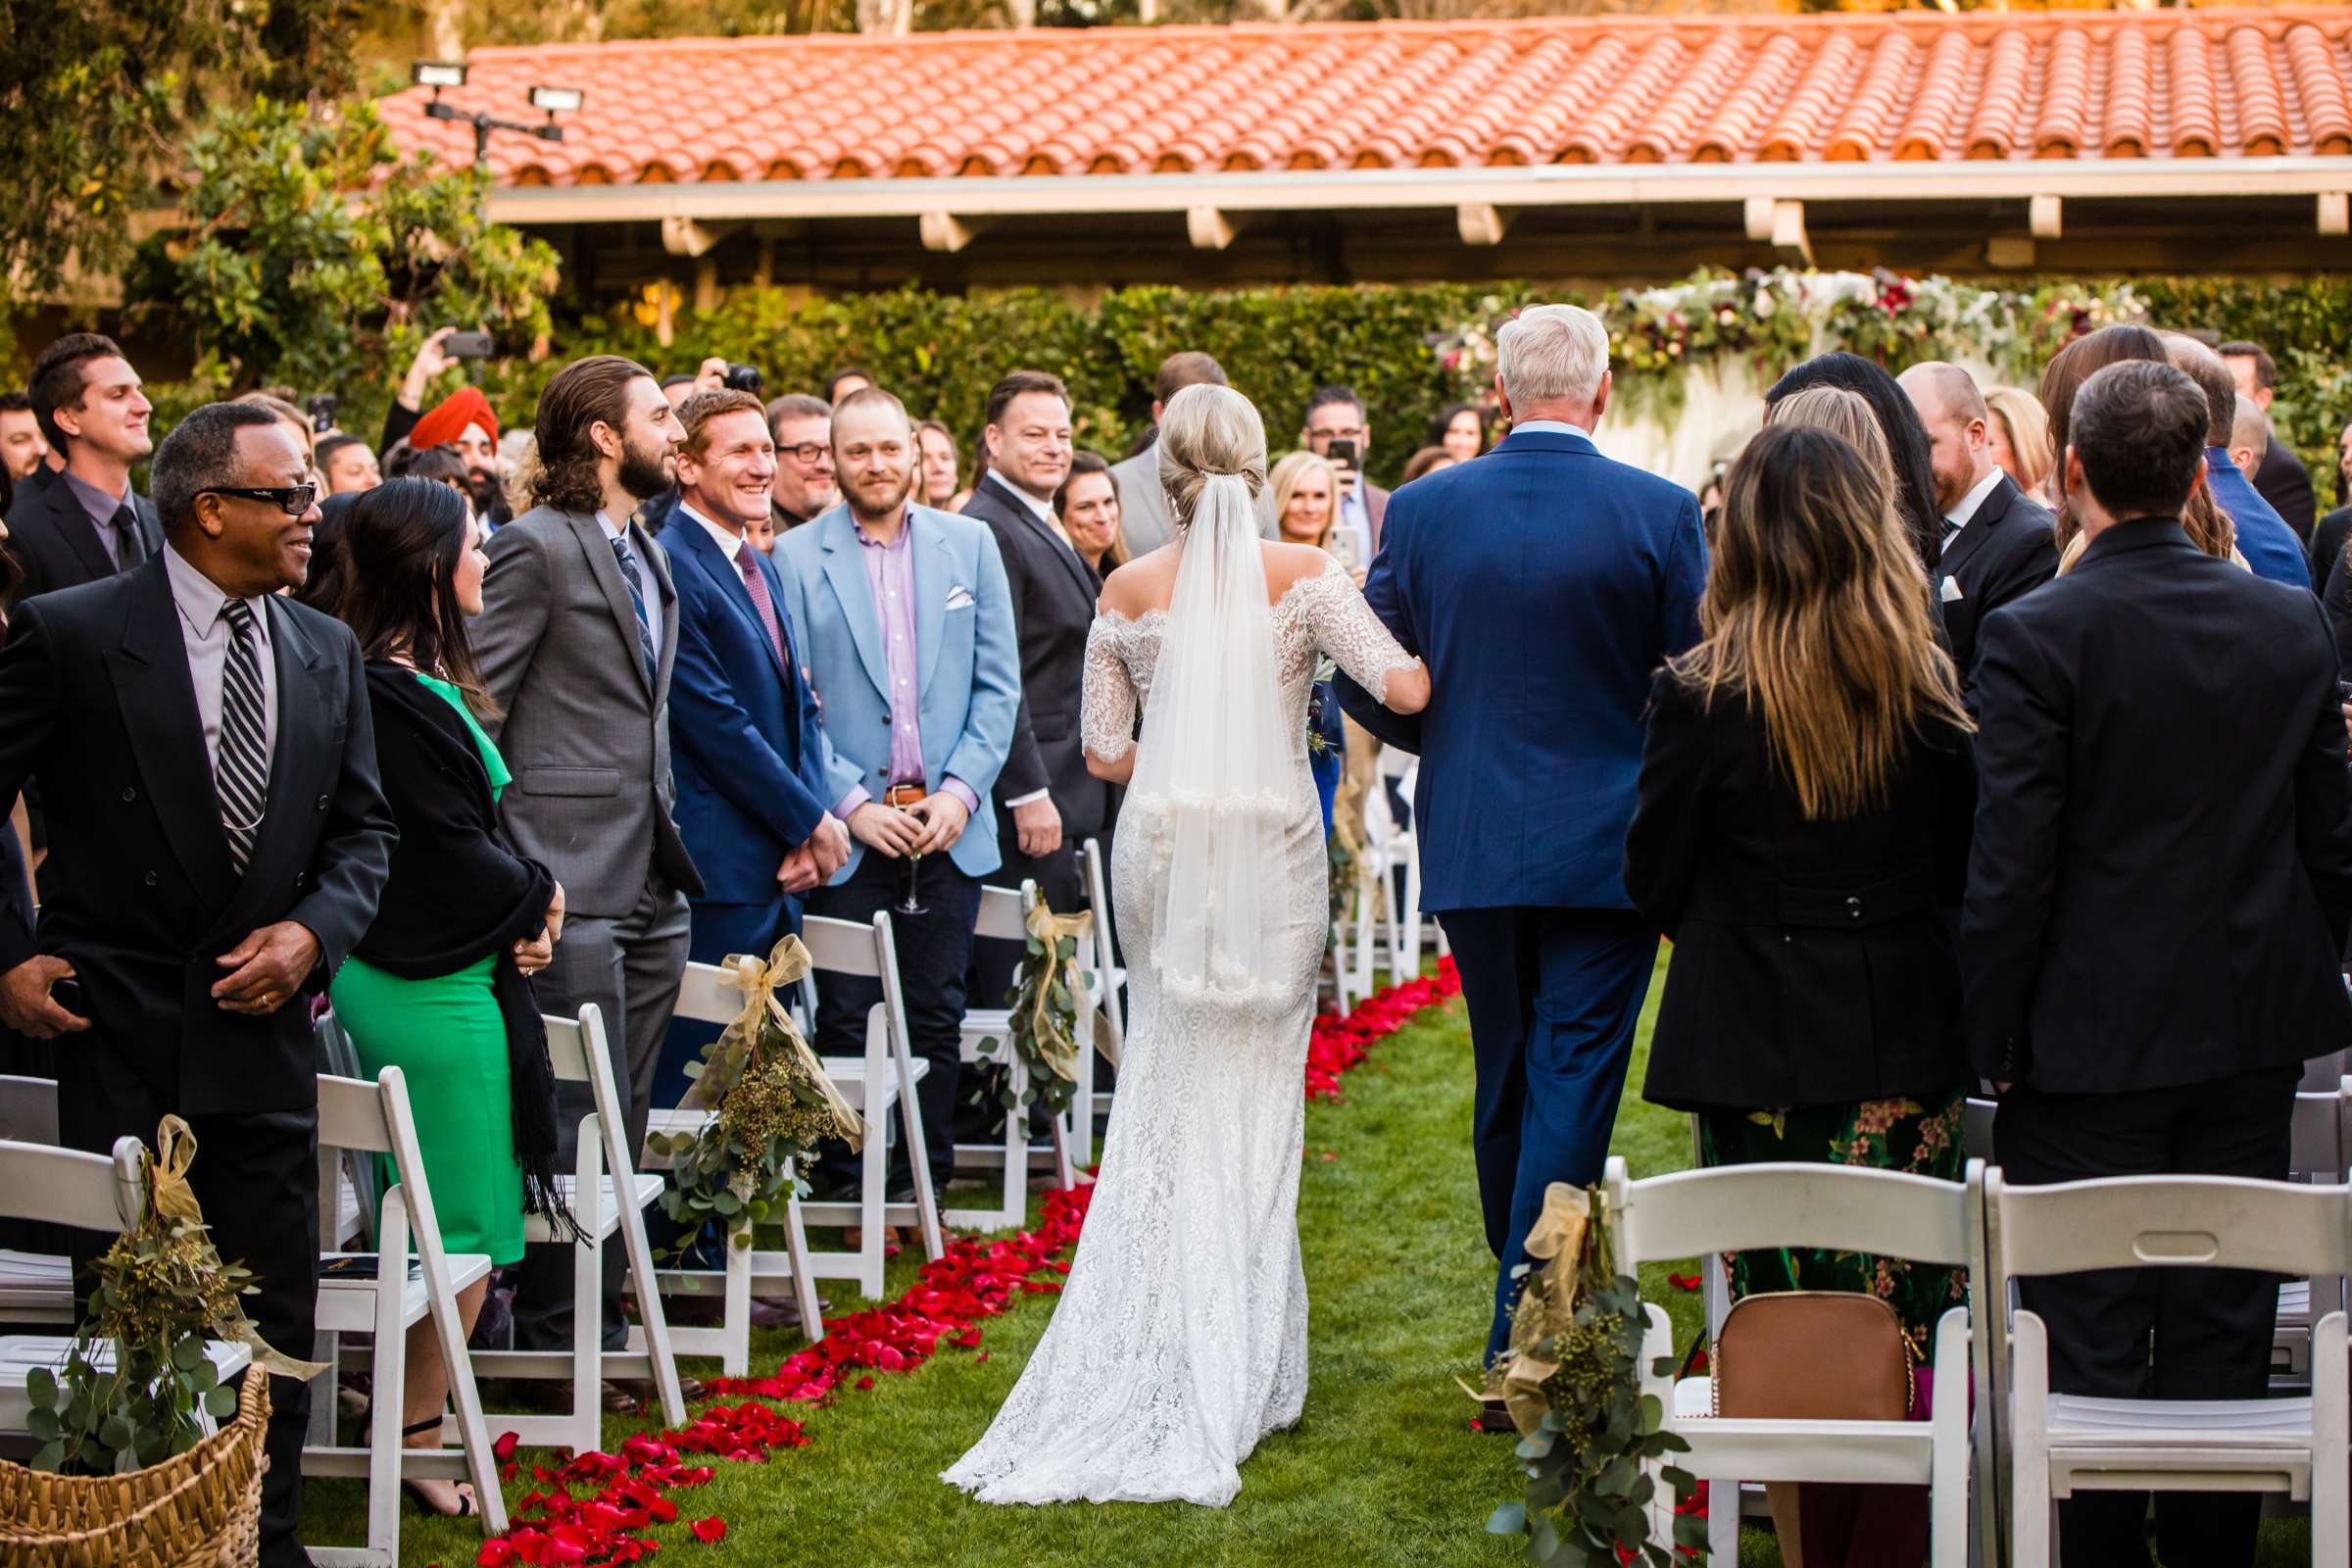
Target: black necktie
[(130, 546), (241, 772), (645, 629)]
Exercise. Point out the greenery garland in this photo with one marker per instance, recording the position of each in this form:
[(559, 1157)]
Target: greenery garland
[(1041, 1026)]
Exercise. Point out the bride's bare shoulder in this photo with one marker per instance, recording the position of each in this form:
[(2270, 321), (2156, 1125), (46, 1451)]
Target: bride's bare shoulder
[(1288, 564), (1141, 586)]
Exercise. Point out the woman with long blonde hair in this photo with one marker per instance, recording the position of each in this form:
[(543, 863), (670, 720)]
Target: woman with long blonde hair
[(1804, 814)]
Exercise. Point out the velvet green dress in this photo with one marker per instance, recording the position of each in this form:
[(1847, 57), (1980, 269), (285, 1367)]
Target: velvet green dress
[(446, 1038)]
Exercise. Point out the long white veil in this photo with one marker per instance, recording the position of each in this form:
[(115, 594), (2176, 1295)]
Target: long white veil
[(1214, 770)]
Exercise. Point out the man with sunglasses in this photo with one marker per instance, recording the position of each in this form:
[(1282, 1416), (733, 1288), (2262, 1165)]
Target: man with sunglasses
[(218, 839)]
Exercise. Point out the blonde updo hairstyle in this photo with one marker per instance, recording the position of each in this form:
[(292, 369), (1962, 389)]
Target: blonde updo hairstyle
[(1204, 432)]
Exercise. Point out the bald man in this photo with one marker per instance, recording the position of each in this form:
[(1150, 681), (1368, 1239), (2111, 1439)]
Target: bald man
[(1998, 543)]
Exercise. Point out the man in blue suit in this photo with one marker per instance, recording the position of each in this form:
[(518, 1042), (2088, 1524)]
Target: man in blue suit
[(906, 622), (1544, 584), (744, 737)]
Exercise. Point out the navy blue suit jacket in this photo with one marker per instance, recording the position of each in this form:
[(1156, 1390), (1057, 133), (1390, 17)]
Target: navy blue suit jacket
[(1544, 584), (743, 727)]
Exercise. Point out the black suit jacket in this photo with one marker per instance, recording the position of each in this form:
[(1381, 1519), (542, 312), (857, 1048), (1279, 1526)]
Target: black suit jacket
[(96, 702), (1054, 594), (2007, 548), (1812, 962), (2162, 877), (2282, 479), (57, 544)]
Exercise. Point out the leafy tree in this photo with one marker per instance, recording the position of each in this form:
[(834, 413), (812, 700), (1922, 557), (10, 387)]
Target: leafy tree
[(312, 253), (94, 95)]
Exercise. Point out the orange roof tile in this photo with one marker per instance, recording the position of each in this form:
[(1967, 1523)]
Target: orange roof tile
[(1588, 91)]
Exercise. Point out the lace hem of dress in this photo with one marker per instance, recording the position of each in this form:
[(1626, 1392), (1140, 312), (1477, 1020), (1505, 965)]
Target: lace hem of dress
[(1154, 810), (1227, 991)]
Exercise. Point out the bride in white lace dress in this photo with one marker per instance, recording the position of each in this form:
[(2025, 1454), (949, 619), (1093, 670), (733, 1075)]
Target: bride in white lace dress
[(1180, 1337)]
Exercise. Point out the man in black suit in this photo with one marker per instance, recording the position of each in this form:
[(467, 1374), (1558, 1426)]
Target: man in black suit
[(218, 840), (1999, 542), (1047, 802), (87, 522), (2159, 887), (2282, 479)]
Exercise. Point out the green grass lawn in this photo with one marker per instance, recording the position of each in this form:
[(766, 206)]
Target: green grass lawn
[(1381, 1470)]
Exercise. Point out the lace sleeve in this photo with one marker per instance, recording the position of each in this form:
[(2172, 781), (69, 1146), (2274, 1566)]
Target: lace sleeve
[(1106, 709), (1349, 631)]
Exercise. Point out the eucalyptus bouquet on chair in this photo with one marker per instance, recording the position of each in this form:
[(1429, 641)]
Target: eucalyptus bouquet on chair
[(771, 1104), (1043, 1035), (1571, 1379)]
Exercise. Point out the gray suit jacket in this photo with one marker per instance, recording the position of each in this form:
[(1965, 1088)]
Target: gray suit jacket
[(1144, 521), (586, 738)]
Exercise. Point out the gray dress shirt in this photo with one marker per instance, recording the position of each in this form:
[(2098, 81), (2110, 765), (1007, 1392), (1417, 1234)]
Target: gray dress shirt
[(206, 636)]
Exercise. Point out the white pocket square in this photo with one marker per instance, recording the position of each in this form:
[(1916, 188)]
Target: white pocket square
[(959, 597), (1952, 590)]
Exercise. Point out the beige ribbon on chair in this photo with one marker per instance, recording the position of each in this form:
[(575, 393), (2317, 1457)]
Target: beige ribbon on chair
[(1546, 1308), (787, 963), (1049, 928), (174, 1201)]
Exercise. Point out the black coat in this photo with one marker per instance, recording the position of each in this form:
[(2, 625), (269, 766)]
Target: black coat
[(2008, 548), (2328, 577), (1813, 964), (1054, 594), (57, 544), (2282, 479), (97, 702), (2162, 877)]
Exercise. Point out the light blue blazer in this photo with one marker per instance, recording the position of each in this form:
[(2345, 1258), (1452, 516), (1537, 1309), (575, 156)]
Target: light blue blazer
[(967, 661)]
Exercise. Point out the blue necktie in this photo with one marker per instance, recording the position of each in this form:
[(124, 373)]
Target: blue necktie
[(645, 632)]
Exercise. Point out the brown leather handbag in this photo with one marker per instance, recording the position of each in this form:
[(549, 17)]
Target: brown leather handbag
[(1812, 1355)]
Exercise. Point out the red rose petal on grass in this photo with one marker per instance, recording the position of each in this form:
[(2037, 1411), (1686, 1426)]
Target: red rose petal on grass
[(1683, 1282), (982, 1356), (495, 1553), (504, 1448), (710, 1532), (865, 1381)]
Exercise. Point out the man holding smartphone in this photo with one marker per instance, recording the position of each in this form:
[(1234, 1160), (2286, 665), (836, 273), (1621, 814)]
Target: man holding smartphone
[(1337, 429)]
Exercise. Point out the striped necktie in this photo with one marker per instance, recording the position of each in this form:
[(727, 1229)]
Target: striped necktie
[(240, 771), (645, 630)]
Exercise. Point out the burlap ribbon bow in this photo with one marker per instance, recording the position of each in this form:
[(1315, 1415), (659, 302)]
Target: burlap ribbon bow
[(1056, 1045), (1545, 1311), (787, 963), (172, 1202)]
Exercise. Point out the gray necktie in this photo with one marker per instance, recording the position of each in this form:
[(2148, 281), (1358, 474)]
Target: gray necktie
[(130, 546), (241, 773)]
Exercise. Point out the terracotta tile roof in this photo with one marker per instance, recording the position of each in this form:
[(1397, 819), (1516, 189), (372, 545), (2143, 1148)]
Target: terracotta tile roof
[(1584, 90)]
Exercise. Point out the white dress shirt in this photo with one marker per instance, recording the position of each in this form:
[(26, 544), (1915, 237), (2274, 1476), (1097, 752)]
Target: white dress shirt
[(647, 588), (205, 635), (1043, 510), (1970, 504), (729, 543)]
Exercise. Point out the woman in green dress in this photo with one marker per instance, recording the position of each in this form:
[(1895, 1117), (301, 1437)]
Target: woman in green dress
[(438, 986)]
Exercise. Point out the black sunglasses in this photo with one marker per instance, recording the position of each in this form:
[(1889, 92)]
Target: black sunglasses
[(293, 500)]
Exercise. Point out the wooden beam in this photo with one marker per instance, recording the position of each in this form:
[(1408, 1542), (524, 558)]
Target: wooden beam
[(706, 284), (951, 231), (2044, 217), (1755, 216), (1789, 230), (1482, 223), (693, 238), (2008, 252), (2336, 212), (1212, 228)]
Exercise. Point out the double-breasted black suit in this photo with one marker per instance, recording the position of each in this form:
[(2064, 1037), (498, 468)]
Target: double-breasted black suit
[(1812, 964), (57, 544), (98, 705), (2008, 548)]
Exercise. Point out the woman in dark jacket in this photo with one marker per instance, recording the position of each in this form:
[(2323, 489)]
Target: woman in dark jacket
[(438, 987), (1805, 812)]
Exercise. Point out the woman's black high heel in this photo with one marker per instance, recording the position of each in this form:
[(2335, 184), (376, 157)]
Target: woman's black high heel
[(468, 1506)]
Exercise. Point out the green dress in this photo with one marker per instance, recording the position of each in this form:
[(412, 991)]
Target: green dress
[(448, 1040)]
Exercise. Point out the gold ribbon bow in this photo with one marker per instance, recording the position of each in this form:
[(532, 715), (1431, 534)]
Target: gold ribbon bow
[(787, 963), (1057, 1047), (174, 1204), (1555, 1246)]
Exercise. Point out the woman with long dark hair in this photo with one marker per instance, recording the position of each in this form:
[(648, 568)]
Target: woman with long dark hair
[(1906, 440), (438, 987), (1803, 817), (2208, 528)]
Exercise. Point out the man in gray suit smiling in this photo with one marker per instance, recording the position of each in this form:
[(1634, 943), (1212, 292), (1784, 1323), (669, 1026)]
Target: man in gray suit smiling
[(576, 637)]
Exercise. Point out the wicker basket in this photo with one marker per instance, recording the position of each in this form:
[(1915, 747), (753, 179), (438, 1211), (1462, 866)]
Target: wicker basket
[(200, 1509)]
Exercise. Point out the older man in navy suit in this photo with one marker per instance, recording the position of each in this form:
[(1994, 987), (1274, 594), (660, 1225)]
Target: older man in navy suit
[(743, 739), (1544, 584)]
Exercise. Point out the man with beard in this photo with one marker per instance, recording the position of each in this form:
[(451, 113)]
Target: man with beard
[(463, 421), (905, 620), (805, 484), (577, 635)]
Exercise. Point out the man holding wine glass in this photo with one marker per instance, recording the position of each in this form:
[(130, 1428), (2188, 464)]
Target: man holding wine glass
[(906, 620)]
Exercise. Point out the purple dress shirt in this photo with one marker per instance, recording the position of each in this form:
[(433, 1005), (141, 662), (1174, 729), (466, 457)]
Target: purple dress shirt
[(890, 575)]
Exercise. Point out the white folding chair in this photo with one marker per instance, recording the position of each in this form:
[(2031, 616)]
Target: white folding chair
[(2062, 1444), (1090, 1106), (1004, 917), (1730, 1209), (1403, 849), (704, 996), (2321, 1152), (352, 1199), (876, 1083), (384, 1302), (2322, 1074), (607, 1194), (34, 1287)]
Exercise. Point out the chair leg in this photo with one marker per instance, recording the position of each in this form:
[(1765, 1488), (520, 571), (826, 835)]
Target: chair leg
[(2331, 1432), (1947, 1469), (871, 1207), (1014, 1206), (639, 1251), (735, 1316), (1723, 1519), (1065, 1169), (583, 1431), (389, 1374), (926, 1201), (2029, 1504), (473, 1431), (803, 1281)]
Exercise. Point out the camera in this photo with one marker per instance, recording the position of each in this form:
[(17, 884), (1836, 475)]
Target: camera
[(322, 410), (743, 379)]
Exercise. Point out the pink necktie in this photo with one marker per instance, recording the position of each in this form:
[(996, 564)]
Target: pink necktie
[(754, 584)]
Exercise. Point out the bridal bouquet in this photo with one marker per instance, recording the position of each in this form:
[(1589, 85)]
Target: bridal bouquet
[(1571, 1379), (1043, 1032), (771, 1104)]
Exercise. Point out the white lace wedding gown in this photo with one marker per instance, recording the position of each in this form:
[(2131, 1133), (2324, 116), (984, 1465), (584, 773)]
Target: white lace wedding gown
[(1180, 1337)]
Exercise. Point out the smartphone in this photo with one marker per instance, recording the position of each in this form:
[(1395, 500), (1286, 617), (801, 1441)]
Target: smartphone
[(322, 413), (66, 993), (466, 345), (1341, 453)]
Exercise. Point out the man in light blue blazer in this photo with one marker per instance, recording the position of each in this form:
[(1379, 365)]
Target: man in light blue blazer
[(1543, 583), (906, 622)]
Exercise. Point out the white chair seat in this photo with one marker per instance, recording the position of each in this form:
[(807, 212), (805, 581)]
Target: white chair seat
[(647, 1186), (2263, 1445), (20, 1353), (1889, 1452), (849, 1076), (35, 1287), (348, 1305), (1694, 1397)]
